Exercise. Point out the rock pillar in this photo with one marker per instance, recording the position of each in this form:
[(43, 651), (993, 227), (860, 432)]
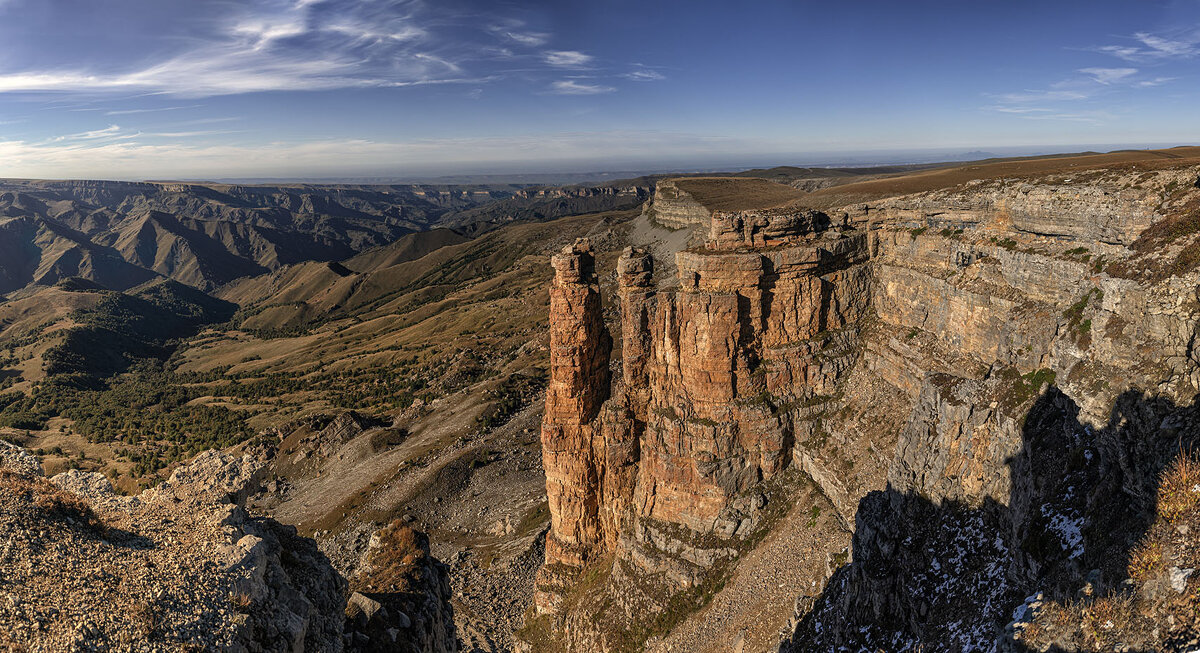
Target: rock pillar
[(635, 271), (579, 384)]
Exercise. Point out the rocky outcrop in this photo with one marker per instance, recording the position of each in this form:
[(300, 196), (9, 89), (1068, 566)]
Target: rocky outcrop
[(17, 460), (401, 597), (179, 565), (1096, 207), (183, 564), (1028, 464), (662, 472), (546, 203), (560, 192), (965, 374), (675, 208)]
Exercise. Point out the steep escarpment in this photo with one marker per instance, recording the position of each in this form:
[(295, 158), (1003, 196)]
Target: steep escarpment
[(984, 381), (690, 201), (675, 208), (542, 203), (656, 489), (1049, 386)]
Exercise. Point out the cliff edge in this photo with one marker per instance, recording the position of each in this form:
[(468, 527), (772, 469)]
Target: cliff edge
[(982, 383)]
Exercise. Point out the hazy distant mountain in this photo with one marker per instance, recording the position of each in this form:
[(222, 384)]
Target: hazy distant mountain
[(975, 155), (121, 234)]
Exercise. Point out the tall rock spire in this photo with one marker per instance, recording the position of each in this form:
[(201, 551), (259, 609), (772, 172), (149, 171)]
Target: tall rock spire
[(579, 385)]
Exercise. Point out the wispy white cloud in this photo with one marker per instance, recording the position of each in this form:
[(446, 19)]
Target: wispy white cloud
[(316, 45), (1157, 81), (125, 112), (531, 39), (208, 121), (1019, 110), (1082, 96), (1108, 76), (515, 31), (644, 75), (139, 159), (110, 132), (235, 71), (566, 58), (1151, 47), (572, 87), (1033, 96), (191, 134), (1089, 117), (265, 45), (1094, 117)]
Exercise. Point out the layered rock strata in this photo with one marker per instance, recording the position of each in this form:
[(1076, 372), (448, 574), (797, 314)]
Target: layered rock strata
[(674, 208), (717, 376), (1047, 393), (984, 381), (572, 442)]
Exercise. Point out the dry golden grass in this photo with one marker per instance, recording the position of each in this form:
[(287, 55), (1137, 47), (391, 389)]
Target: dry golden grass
[(241, 602), (920, 182), (1109, 620), (1148, 615), (398, 563), (1053, 618), (1146, 561), (48, 499), (737, 193), (1179, 489)]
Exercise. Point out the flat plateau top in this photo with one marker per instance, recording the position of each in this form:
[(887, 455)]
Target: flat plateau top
[(918, 182), (737, 193)]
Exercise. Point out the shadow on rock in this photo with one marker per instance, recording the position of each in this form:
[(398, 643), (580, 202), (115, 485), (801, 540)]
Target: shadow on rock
[(401, 597), (942, 570)]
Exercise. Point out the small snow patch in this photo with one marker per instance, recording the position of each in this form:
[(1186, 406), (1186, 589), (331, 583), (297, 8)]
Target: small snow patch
[(1068, 529)]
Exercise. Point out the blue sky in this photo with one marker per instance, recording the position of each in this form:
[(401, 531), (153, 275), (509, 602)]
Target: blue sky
[(160, 89)]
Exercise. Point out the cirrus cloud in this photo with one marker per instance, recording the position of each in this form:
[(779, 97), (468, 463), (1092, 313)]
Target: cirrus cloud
[(1151, 47), (1108, 75), (300, 45), (116, 156), (572, 87), (566, 58)]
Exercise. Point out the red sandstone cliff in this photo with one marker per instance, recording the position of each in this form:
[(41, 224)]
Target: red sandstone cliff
[(647, 472), (898, 345)]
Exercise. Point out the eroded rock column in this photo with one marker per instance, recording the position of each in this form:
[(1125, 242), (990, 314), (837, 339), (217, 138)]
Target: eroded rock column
[(635, 270), (579, 384)]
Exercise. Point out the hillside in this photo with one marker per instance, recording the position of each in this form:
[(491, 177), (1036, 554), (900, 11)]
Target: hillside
[(549, 202), (122, 234), (185, 567)]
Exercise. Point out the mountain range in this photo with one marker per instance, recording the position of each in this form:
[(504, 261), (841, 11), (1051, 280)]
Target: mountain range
[(121, 234)]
